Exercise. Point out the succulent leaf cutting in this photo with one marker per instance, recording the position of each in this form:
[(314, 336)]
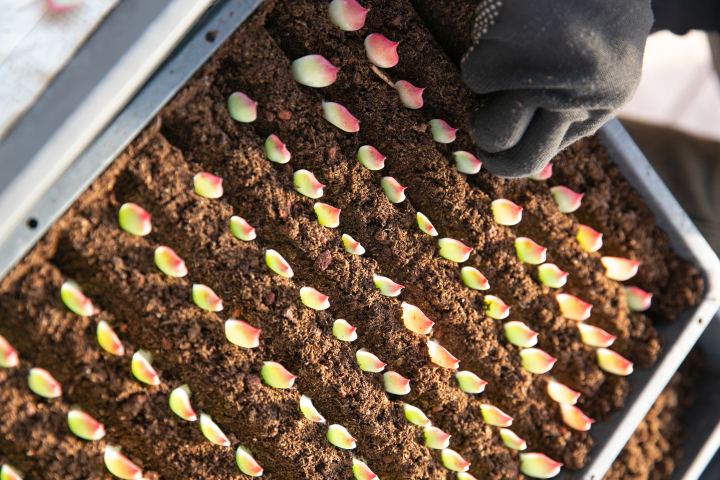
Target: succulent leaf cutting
[(75, 300), (306, 184), (589, 239), (511, 439), (180, 403), (410, 95), (396, 383), (205, 298), (562, 393), (425, 225), (469, 382), (394, 192), (454, 250), (313, 71), (506, 212), (572, 307), (574, 418), (169, 262), (212, 432), (386, 286), (208, 185), (343, 331), (415, 320), (276, 375), (340, 437), (595, 336), (620, 269), (467, 163), (119, 465), (242, 108), (241, 333), (530, 252), (84, 426), (613, 362), (276, 151), (352, 246), (441, 131), (241, 229), (311, 298), (8, 355), (327, 215), (380, 51), (8, 472), (441, 357), (108, 340), (142, 369), (246, 463), (537, 465), (566, 200), (308, 409), (544, 174), (42, 383), (496, 308), (638, 300), (454, 461), (134, 219), (339, 116), (348, 15), (370, 158), (416, 416), (551, 276), (494, 416), (536, 361), (361, 471), (472, 278), (436, 438), (520, 334), (369, 362), (278, 264)]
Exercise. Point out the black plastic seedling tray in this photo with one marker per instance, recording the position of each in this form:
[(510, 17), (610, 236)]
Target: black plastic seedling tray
[(215, 27)]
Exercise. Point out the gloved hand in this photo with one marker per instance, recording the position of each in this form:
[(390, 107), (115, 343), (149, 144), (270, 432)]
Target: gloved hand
[(553, 72)]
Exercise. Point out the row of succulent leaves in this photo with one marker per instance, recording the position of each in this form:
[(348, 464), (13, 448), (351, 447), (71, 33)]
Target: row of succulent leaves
[(316, 71)]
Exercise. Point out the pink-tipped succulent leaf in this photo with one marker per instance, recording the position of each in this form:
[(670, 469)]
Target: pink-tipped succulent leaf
[(180, 403), (544, 174), (638, 300), (246, 463), (242, 108), (75, 300), (396, 383), (454, 250), (425, 225), (8, 355), (351, 245), (511, 440), (311, 298), (393, 190), (205, 298), (551, 276), (595, 336), (572, 307), (520, 334), (472, 278), (416, 416), (530, 252), (469, 382), (343, 331), (62, 6), (467, 163), (308, 409), (142, 369), (212, 432), (241, 333), (415, 320), (436, 438), (276, 151), (454, 461), (536, 361), (327, 215), (441, 357), (339, 116), (370, 158), (276, 375), (241, 229), (362, 471), (567, 200), (108, 340), (494, 416), (313, 71), (562, 393), (410, 95), (506, 212), (134, 219), (589, 239), (340, 437), (496, 308), (306, 184), (208, 185), (613, 362), (42, 383), (620, 269), (574, 418), (8, 472), (537, 465), (369, 362), (169, 262), (278, 264), (348, 15), (119, 465), (441, 131), (380, 51), (84, 426), (386, 286)]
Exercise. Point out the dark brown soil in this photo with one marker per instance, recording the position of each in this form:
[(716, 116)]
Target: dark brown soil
[(151, 311)]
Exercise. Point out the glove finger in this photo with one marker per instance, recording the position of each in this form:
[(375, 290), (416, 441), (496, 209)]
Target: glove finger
[(500, 122)]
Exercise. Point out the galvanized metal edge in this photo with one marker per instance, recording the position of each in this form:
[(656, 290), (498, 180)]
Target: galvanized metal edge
[(221, 20)]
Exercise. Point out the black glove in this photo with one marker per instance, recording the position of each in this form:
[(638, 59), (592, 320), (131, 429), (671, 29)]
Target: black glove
[(553, 71)]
